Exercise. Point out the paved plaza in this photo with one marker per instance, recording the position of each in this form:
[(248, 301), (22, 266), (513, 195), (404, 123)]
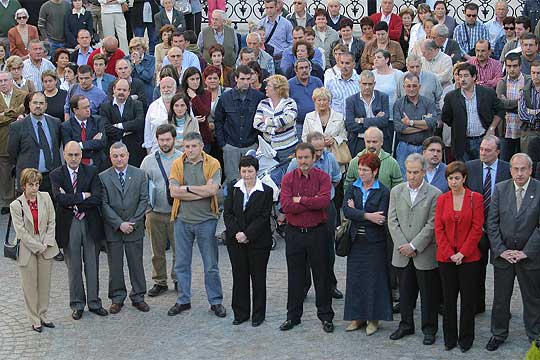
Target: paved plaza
[(199, 334)]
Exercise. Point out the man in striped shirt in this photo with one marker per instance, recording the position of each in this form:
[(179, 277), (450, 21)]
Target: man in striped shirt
[(472, 30), (345, 85), (36, 64), (489, 70)]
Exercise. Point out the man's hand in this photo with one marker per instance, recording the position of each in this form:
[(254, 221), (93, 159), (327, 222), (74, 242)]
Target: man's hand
[(241, 238), (519, 255), (405, 120), (380, 114), (359, 120), (98, 136), (406, 250), (296, 199), (126, 227), (509, 256)]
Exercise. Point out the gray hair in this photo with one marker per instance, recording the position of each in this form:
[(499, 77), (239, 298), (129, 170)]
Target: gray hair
[(413, 57), (367, 74), (415, 157), (118, 145), (375, 129), (23, 11), (523, 155), (429, 44), (441, 30), (193, 136), (410, 76), (314, 135), (256, 34), (493, 138), (302, 60), (9, 75), (222, 13)]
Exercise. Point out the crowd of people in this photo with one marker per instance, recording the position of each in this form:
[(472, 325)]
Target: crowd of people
[(421, 138)]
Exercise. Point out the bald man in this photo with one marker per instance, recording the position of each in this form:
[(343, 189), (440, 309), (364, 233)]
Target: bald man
[(138, 92), (77, 190), (111, 51)]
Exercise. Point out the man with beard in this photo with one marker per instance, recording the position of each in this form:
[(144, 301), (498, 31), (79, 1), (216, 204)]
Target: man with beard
[(157, 113)]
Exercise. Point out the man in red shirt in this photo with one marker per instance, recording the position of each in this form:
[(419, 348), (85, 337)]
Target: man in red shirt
[(305, 197), (111, 51), (393, 20)]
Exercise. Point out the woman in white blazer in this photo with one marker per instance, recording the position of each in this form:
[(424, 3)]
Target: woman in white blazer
[(325, 120), (34, 223)]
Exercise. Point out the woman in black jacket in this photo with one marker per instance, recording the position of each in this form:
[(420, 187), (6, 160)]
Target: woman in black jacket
[(249, 238), (79, 18)]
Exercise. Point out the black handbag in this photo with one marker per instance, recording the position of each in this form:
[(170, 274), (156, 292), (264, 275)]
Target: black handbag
[(343, 238), (11, 251)]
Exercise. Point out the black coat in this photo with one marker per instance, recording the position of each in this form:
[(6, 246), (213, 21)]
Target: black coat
[(454, 114), (137, 88), (132, 120), (161, 19), (87, 181), (254, 221), (74, 23), (92, 148), (475, 173), (137, 11)]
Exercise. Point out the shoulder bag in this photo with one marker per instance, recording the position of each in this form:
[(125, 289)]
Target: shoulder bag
[(165, 178), (11, 251)]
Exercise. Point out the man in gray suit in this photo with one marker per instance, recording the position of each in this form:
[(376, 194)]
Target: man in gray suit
[(411, 215), (125, 199), (514, 234)]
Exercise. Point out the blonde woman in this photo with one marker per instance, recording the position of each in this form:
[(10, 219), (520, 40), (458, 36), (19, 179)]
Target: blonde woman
[(326, 121), (276, 117), (34, 223)]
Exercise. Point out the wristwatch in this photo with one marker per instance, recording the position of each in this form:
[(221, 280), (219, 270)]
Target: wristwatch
[(411, 123), (187, 189)]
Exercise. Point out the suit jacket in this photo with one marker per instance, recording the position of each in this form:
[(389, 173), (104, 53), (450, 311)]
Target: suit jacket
[(87, 181), (355, 109), (161, 19), (23, 143), (132, 134), (23, 223), (452, 49), (16, 44), (10, 114), (414, 224), (475, 172), (92, 149), (395, 26), (335, 127), (330, 23), (454, 114), (137, 88), (124, 205), (509, 228), (310, 21), (357, 48), (254, 221), (439, 179)]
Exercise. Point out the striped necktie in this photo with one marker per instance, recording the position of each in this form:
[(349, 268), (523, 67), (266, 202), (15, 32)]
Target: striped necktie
[(486, 190)]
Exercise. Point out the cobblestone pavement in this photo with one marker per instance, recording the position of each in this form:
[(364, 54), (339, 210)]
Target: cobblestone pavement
[(198, 334)]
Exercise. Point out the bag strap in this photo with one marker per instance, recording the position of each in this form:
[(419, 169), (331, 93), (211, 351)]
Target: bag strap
[(271, 32), (10, 220), (467, 35), (165, 177)]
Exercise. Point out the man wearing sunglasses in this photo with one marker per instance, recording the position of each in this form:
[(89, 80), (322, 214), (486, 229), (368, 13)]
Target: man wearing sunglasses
[(472, 30), (509, 26)]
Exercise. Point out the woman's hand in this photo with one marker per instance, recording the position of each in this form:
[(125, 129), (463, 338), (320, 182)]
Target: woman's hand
[(457, 258), (375, 217), (200, 118), (191, 93), (350, 203), (241, 238), (329, 141)]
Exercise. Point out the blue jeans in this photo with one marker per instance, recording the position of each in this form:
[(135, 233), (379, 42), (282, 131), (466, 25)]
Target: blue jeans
[(54, 45), (184, 235), (472, 148), (152, 37), (299, 129), (402, 151)]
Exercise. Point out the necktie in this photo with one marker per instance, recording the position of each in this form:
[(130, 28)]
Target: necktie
[(486, 190), (122, 180), (84, 161), (519, 197), (74, 182), (79, 215), (44, 145)]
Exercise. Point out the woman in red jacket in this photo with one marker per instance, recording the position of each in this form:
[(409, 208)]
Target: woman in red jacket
[(200, 103), (459, 218)]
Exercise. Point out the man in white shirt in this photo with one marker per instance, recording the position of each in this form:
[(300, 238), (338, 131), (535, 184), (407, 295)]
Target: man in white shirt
[(157, 113)]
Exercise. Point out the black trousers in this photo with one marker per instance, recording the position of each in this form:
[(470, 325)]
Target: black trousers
[(459, 279), (412, 280), (193, 22), (301, 247), (248, 263), (529, 286), (484, 260), (331, 224)]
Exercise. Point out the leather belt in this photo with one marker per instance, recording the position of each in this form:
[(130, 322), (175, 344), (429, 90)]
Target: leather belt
[(476, 137), (304, 230)]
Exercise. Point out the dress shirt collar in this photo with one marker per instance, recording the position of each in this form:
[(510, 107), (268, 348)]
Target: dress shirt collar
[(524, 187), (78, 13), (359, 184), (35, 119), (81, 121), (118, 103), (417, 189), (71, 171), (123, 171), (510, 80), (240, 184)]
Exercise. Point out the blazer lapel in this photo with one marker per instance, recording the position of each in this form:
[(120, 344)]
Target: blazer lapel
[(421, 195), (3, 104), (527, 198), (115, 179), (30, 129), (406, 196), (128, 180), (26, 209)]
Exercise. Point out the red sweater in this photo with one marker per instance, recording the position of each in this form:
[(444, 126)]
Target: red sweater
[(111, 63), (394, 28), (201, 106), (314, 191), (459, 231)]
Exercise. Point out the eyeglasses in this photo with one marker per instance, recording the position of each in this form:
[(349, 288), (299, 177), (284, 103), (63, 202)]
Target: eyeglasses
[(22, 17), (509, 28), (471, 15)]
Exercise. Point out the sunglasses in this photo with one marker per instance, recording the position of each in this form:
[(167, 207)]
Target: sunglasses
[(22, 17), (471, 15), (509, 28)]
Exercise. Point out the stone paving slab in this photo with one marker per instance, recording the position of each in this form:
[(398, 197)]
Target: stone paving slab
[(198, 334)]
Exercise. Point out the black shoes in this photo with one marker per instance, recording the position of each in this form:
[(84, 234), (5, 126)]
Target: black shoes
[(256, 323), (493, 344), (178, 308), (157, 290), (464, 349), (289, 324), (336, 294), (141, 306), (77, 314), (49, 324), (219, 310), (400, 333), (176, 286), (101, 311), (59, 256), (238, 321), (395, 308), (429, 339), (37, 328), (449, 347), (4, 211), (328, 326)]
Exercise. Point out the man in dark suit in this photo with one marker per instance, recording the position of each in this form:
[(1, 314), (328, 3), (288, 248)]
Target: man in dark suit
[(125, 199), (514, 234), (482, 175), (300, 16), (357, 120), (472, 112), (77, 191), (137, 91), (354, 45), (82, 53), (124, 121), (87, 130), (433, 148), (161, 18), (34, 142), (333, 16), (440, 33)]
